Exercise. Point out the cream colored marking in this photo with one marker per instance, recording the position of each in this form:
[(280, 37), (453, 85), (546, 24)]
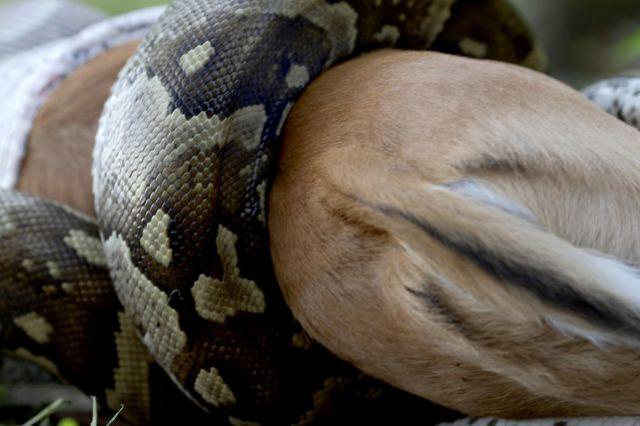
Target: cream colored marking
[(248, 124), (196, 58), (245, 170), (474, 48), (38, 360), (283, 118), (35, 326), (6, 229), (378, 3), (215, 299), (155, 238), (131, 376), (245, 125), (160, 96), (387, 34), (262, 200), (54, 269), (297, 77), (148, 100), (438, 14), (50, 289), (28, 264), (67, 287), (402, 17), (87, 247), (301, 340), (251, 167), (146, 304), (213, 389), (239, 422)]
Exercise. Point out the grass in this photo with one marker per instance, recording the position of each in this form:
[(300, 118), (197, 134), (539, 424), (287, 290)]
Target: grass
[(58, 404)]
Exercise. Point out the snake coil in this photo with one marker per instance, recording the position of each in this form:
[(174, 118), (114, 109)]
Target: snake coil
[(183, 163)]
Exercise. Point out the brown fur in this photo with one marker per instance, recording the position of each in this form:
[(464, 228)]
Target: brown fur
[(368, 245), (58, 160)]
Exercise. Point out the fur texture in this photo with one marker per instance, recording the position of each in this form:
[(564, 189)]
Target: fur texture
[(467, 231)]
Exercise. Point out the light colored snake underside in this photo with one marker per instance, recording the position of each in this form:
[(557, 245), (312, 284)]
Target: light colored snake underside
[(183, 164)]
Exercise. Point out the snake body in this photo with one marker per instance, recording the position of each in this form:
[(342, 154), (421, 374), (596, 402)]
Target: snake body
[(183, 163)]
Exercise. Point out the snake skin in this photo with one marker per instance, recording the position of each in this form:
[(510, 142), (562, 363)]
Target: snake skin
[(579, 421), (184, 159), (58, 307), (619, 96)]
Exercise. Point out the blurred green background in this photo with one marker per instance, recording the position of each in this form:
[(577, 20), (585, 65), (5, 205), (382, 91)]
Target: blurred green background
[(585, 39), (115, 7)]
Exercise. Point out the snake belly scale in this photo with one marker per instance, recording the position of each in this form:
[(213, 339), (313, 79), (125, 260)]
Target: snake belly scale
[(184, 159)]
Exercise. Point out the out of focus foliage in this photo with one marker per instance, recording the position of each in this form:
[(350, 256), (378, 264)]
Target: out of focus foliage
[(587, 39), (116, 7)]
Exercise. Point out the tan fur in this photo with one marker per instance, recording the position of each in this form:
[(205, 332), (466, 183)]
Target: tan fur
[(370, 144), (58, 160)]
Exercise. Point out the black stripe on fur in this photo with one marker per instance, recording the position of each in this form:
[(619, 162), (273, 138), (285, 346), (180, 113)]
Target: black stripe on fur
[(547, 285)]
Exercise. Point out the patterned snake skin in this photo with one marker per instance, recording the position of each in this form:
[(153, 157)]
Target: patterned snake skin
[(183, 164), (619, 96)]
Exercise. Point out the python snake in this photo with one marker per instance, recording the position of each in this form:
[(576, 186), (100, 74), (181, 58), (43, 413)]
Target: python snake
[(183, 162)]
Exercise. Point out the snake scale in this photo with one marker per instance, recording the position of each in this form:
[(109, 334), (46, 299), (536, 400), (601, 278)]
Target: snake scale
[(184, 158)]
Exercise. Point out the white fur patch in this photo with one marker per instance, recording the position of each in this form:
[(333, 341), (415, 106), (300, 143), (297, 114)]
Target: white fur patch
[(480, 191), (617, 279)]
